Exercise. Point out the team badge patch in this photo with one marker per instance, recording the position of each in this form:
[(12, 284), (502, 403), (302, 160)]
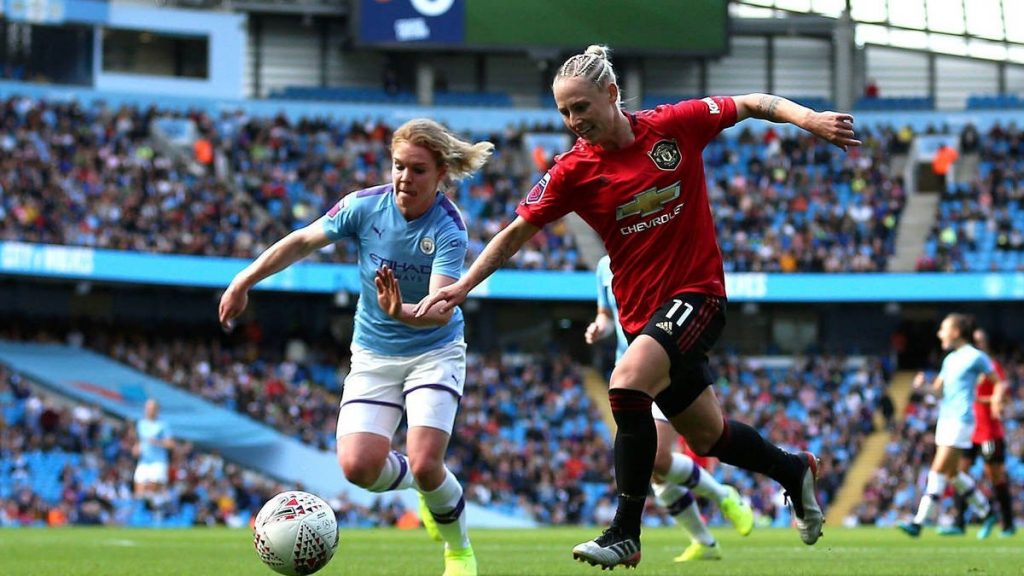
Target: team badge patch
[(537, 192), (427, 246), (666, 155)]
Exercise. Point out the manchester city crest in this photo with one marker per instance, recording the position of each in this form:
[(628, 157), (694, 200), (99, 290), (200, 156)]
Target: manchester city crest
[(665, 154), (427, 245)]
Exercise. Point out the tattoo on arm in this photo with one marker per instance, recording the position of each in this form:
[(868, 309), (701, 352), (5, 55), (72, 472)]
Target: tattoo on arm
[(767, 105), (494, 261)]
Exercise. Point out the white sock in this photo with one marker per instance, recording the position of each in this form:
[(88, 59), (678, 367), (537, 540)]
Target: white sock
[(966, 487), (395, 475), (686, 472), (447, 506), (933, 491), (683, 507)]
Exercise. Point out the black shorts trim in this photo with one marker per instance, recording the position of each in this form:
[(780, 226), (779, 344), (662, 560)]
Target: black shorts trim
[(686, 326)]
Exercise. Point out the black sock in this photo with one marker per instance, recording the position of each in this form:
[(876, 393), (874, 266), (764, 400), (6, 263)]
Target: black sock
[(1005, 504), (961, 511), (742, 446), (635, 445)]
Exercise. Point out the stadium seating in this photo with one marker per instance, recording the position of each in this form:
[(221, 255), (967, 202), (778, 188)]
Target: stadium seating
[(894, 104), (979, 226), (994, 102), (71, 465)]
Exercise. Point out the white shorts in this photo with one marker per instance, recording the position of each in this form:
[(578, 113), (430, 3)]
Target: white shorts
[(378, 388), (954, 433), (151, 473)]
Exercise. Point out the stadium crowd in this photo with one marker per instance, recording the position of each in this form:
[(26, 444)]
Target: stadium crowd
[(980, 222), (792, 203), (91, 175), (530, 439)]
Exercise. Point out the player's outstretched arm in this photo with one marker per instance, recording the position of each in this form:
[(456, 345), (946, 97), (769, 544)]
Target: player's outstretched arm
[(279, 256), (833, 127), (498, 251)]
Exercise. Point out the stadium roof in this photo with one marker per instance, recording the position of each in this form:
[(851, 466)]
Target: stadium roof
[(972, 28)]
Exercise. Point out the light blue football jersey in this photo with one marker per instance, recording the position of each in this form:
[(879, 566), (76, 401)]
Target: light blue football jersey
[(147, 432), (434, 243), (960, 372), (606, 299)]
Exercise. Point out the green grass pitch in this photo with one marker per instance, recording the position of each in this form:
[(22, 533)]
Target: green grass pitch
[(860, 552)]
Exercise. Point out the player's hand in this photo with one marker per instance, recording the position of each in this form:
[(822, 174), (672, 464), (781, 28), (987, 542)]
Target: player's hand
[(597, 330), (997, 410), (450, 296), (389, 295), (919, 380), (834, 128), (232, 304)]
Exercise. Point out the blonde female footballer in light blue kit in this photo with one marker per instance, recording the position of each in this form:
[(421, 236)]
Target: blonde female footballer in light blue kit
[(962, 369), (410, 235), (676, 475)]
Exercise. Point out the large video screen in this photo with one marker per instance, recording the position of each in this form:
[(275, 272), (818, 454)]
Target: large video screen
[(694, 27)]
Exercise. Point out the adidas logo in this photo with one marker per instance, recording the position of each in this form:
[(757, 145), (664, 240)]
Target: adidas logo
[(666, 326)]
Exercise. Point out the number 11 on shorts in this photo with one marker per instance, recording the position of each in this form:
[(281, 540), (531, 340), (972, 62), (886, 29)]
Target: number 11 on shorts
[(675, 308)]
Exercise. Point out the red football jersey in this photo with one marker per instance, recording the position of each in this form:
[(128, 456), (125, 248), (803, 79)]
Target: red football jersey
[(985, 426), (648, 202)]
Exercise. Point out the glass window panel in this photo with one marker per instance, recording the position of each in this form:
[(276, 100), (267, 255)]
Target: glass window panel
[(871, 34), (1013, 11), (831, 8), (946, 16), (988, 50), (868, 10), (909, 13), (947, 44), (984, 19), (748, 11), (795, 5), (1015, 54), (908, 38)]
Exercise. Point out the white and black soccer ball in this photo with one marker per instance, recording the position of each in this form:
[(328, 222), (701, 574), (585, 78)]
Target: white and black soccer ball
[(295, 533)]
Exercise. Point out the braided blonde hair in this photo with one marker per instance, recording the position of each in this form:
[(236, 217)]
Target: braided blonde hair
[(592, 65)]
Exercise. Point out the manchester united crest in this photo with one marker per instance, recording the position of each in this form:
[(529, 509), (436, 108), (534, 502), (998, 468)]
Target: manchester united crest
[(665, 154)]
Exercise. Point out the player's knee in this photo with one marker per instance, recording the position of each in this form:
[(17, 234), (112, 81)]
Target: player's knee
[(428, 472), (702, 441), (361, 471), (631, 377)]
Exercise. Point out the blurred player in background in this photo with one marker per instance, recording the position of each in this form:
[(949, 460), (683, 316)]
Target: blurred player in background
[(408, 232), (989, 442), (962, 369), (638, 181), (153, 445), (676, 475)]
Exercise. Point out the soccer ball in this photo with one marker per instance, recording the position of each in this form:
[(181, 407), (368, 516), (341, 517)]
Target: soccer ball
[(295, 533)]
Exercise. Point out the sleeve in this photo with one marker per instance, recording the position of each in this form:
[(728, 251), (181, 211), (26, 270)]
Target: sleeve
[(602, 288), (985, 363), (701, 120), (547, 200), (342, 220), (998, 369), (451, 253)]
